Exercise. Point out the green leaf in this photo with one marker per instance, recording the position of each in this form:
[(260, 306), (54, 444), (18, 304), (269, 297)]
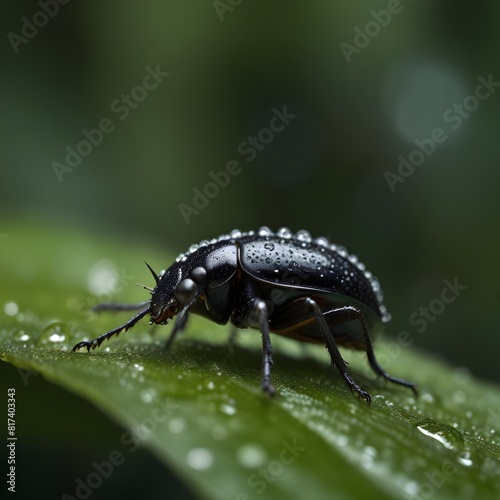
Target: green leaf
[(199, 407)]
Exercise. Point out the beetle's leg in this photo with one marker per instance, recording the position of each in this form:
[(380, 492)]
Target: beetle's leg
[(258, 315), (180, 323), (333, 350), (349, 313), (377, 368), (231, 340), (92, 344), (187, 293)]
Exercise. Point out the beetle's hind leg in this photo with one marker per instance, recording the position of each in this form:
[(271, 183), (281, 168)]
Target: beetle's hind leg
[(334, 352), (378, 369), (349, 313)]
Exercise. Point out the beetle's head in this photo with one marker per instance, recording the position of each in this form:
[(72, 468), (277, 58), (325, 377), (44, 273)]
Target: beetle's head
[(174, 292)]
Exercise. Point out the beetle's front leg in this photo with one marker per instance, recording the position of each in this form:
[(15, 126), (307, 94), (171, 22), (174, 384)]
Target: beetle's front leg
[(257, 315)]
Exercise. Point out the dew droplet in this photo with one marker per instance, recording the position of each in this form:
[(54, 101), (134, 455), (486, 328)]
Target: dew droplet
[(465, 459), (219, 432), (103, 277), (200, 458), (251, 456), (55, 333), (445, 434), (412, 488), (148, 395), (176, 425), (227, 409), (458, 397), (20, 335), (367, 457), (11, 308), (437, 436), (427, 397)]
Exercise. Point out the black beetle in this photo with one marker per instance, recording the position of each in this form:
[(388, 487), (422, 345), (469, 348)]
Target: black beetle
[(288, 284)]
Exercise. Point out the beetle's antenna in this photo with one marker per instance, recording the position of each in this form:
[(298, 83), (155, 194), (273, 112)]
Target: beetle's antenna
[(92, 344), (146, 287), (112, 306), (155, 276)]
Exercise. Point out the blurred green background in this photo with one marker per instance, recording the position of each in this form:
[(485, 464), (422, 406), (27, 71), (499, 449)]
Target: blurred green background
[(363, 84), (324, 171)]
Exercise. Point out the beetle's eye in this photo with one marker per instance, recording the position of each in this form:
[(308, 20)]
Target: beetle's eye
[(185, 291)]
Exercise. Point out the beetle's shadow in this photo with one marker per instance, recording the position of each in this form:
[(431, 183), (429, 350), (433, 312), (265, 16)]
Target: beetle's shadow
[(301, 367)]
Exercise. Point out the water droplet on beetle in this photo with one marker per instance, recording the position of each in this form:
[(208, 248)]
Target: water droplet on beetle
[(321, 241), (284, 232), (269, 246), (304, 235)]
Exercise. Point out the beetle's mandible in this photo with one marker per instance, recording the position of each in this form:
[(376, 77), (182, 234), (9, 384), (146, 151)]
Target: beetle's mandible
[(285, 283)]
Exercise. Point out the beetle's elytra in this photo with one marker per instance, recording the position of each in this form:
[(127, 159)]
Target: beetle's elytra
[(285, 283)]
